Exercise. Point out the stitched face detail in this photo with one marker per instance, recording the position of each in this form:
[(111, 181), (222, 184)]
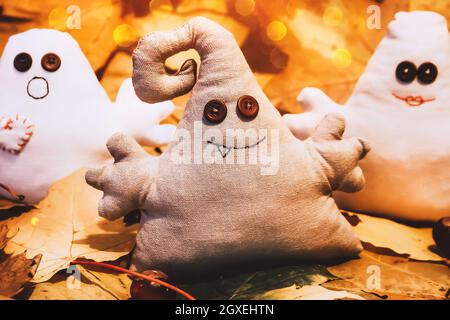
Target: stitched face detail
[(407, 72), (15, 134)]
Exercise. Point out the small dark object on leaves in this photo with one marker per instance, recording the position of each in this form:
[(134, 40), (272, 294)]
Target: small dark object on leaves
[(441, 235), (145, 290)]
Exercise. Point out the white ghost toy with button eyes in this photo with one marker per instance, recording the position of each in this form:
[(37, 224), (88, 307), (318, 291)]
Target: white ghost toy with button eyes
[(401, 105), (55, 116)]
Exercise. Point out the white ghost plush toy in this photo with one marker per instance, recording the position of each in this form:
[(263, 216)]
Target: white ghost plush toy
[(401, 105), (55, 117)]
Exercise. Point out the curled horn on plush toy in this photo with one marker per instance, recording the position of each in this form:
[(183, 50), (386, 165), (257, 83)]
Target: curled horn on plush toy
[(153, 84)]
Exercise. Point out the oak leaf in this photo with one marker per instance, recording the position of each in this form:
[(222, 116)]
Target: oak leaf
[(59, 288)]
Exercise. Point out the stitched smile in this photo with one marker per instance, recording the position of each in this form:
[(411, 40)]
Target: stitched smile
[(225, 150), (413, 101)]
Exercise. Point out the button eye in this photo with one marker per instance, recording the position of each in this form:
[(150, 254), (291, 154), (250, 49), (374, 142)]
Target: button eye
[(23, 62), (406, 72), (51, 62), (427, 73), (248, 107), (215, 111)]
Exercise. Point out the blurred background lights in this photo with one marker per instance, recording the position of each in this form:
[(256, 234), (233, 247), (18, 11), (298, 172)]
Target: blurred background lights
[(332, 16), (57, 19), (124, 35), (244, 7), (278, 59), (342, 58), (276, 30), (34, 221)]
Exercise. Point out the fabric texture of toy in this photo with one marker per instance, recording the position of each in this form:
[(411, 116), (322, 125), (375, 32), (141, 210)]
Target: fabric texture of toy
[(207, 213), (400, 104), (55, 117)]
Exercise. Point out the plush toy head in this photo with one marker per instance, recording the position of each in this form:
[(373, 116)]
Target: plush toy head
[(401, 105), (410, 67), (225, 100), (205, 203), (42, 68), (55, 116)]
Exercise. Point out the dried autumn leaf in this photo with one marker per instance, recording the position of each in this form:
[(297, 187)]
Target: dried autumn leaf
[(252, 285), (116, 284), (400, 238), (3, 233), (16, 271), (391, 277), (308, 292), (59, 288), (66, 226)]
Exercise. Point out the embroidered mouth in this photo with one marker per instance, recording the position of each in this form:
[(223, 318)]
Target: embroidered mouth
[(37, 88), (225, 150), (413, 101)]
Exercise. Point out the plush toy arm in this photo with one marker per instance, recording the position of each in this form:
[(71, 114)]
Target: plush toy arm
[(341, 155), (315, 104), (143, 119), (159, 135), (315, 100), (126, 183)]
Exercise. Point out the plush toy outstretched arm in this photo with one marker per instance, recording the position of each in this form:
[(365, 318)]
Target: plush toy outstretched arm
[(316, 105), (341, 155), (143, 119), (126, 182)]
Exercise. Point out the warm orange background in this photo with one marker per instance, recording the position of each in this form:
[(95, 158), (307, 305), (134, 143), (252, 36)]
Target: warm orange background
[(289, 44)]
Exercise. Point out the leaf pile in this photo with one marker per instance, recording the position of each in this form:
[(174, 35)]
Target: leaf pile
[(66, 226)]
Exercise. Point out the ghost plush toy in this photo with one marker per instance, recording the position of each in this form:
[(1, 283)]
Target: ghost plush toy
[(216, 197), (401, 104), (55, 117)]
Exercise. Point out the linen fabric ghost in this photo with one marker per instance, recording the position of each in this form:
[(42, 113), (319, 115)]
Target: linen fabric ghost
[(404, 114), (199, 215), (55, 116)]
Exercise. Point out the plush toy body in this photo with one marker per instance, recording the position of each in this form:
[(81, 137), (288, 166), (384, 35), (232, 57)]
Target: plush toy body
[(200, 213), (55, 117), (401, 105)]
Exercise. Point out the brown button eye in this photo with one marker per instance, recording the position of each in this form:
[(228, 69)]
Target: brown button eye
[(23, 62), (248, 107), (215, 111), (50, 62)]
